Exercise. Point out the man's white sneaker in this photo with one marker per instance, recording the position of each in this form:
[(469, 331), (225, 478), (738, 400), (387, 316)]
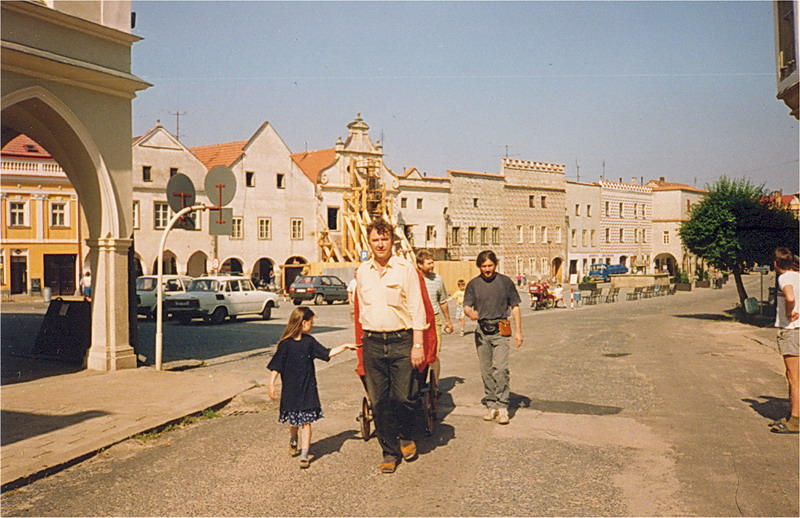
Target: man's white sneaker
[(491, 414), (503, 418)]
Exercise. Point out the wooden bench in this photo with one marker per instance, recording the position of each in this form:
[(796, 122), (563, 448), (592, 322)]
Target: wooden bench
[(635, 294), (613, 294)]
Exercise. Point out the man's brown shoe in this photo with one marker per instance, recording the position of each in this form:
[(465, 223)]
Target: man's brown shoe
[(409, 450), (389, 465)]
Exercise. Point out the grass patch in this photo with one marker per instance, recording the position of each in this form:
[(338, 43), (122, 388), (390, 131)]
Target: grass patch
[(155, 433)]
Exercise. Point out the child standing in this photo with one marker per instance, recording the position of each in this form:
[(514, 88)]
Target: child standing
[(458, 295), (787, 319), (294, 361)]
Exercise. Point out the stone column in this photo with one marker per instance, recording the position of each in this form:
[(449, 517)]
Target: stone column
[(110, 349)]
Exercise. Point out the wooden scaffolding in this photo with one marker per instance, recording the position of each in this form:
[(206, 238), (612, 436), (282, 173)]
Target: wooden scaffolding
[(365, 202)]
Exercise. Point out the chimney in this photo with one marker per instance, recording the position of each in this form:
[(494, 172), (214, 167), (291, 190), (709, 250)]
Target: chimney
[(660, 178), (620, 179), (633, 180)]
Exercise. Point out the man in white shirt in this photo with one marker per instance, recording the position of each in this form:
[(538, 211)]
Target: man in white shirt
[(392, 317), (786, 318)]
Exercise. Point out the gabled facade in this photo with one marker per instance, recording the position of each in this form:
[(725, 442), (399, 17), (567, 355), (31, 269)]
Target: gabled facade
[(422, 210), (157, 156), (274, 210), (477, 216)]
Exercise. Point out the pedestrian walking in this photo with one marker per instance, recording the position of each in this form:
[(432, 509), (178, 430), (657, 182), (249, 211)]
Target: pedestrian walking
[(86, 286), (294, 363), (438, 295), (489, 298), (786, 319), (392, 319)]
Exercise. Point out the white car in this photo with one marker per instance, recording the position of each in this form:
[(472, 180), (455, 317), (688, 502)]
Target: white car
[(215, 297), (146, 291)]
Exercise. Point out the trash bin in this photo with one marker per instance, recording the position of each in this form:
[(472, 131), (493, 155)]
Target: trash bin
[(47, 294)]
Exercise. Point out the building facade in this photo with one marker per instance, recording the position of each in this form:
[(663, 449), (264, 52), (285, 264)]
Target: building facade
[(43, 226), (583, 219), (422, 211), (626, 224)]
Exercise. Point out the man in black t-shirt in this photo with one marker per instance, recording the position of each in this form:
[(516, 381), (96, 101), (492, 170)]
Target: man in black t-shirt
[(488, 299)]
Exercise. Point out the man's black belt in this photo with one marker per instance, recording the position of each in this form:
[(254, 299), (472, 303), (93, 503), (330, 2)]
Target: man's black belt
[(385, 335)]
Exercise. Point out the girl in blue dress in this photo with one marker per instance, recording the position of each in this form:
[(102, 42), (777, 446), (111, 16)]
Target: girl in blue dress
[(294, 362)]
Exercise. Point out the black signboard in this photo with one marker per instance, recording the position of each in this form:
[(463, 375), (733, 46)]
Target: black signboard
[(66, 332)]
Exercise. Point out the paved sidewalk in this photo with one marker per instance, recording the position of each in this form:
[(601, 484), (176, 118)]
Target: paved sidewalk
[(52, 421)]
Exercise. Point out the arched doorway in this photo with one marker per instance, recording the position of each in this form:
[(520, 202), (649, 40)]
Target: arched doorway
[(170, 264), (623, 260), (232, 265), (263, 272), (292, 268), (197, 264), (665, 263), (556, 268)]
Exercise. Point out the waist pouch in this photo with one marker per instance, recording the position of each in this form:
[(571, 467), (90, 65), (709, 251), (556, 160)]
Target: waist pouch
[(492, 327)]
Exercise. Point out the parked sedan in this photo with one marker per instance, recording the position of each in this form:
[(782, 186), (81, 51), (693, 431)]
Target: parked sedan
[(319, 288), (214, 298)]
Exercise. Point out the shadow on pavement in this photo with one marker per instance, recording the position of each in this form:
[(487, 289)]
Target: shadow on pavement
[(332, 444), (517, 401), (765, 319), (18, 426), (440, 436), (771, 407)]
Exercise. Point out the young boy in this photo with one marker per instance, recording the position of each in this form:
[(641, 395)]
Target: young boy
[(786, 318), (458, 295)]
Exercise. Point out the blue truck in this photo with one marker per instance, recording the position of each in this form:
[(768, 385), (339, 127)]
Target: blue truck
[(600, 272)]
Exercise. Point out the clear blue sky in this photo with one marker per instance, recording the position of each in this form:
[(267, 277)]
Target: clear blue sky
[(684, 90)]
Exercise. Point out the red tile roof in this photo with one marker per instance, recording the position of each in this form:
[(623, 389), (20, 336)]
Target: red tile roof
[(314, 162), (23, 146), (783, 199), (219, 154)]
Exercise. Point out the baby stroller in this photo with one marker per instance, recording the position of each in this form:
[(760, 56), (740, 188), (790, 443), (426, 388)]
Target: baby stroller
[(424, 382)]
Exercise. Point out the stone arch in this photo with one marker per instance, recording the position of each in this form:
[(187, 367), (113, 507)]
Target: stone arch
[(42, 116), (556, 268), (170, 263), (293, 267), (197, 264), (263, 271), (665, 262), (232, 265), (88, 158)]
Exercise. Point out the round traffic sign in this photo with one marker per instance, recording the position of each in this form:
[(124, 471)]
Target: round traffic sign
[(220, 185), (215, 263), (180, 192)]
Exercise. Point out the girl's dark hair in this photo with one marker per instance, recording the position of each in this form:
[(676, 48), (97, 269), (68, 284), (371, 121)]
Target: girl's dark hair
[(295, 325), (483, 256)]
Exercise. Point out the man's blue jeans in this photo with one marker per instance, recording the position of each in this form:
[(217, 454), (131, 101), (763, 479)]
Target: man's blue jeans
[(493, 359), (388, 373)]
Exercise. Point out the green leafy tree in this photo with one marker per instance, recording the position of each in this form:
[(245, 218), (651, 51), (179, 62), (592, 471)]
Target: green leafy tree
[(731, 228)]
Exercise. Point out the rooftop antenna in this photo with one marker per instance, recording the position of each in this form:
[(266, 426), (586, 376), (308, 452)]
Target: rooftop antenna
[(604, 171), (578, 169), (177, 115), (507, 154)]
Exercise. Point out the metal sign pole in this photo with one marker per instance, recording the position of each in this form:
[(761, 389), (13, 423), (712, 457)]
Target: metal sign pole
[(160, 288)]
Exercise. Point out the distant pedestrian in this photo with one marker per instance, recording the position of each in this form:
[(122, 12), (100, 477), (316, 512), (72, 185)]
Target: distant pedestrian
[(86, 286), (458, 296), (488, 299), (438, 295), (786, 318), (351, 294), (294, 362)]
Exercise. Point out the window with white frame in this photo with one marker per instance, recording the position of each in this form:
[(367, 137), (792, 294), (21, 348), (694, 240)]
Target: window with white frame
[(484, 235), (608, 209), (495, 235), (419, 203), (559, 237), (160, 215), (520, 234), (532, 201), (621, 235), (583, 238), (280, 181), (430, 233), (621, 213), (594, 238), (532, 265), (403, 203), (472, 236), (264, 228), (136, 215), (237, 232), (545, 270), (544, 202), (297, 229), (608, 235), (532, 232), (665, 237), (577, 209), (636, 235), (589, 211), (58, 214), (544, 234), (17, 211), (249, 179), (644, 235), (574, 237)]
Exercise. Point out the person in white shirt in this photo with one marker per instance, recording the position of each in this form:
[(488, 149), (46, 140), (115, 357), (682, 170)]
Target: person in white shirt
[(786, 319)]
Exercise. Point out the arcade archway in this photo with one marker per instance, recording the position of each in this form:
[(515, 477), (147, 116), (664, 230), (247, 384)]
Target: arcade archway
[(197, 264), (292, 268), (665, 263), (263, 273), (232, 265)]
